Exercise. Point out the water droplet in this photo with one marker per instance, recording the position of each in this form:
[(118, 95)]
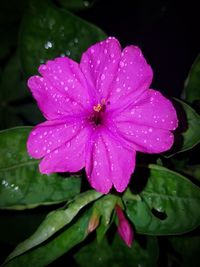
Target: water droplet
[(103, 77), (121, 64), (48, 45)]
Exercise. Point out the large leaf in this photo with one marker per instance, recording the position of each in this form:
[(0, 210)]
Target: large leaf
[(192, 84), (48, 252), (54, 222), (118, 254), (188, 133), (48, 32), (168, 204), (21, 184)]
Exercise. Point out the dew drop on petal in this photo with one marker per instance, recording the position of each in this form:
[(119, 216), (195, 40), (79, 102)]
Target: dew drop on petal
[(95, 163), (103, 77)]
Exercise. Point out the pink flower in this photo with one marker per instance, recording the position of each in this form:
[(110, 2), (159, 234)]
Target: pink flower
[(99, 113), (124, 228)]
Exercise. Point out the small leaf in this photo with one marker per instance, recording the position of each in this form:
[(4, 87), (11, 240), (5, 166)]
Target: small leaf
[(192, 84), (55, 221), (21, 184), (118, 254), (187, 135), (48, 32), (168, 204), (56, 247)]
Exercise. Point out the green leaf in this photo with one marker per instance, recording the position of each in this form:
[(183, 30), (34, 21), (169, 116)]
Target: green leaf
[(76, 5), (192, 84), (21, 184), (188, 248), (103, 208), (168, 204), (55, 221), (48, 32), (48, 252), (118, 254), (187, 135)]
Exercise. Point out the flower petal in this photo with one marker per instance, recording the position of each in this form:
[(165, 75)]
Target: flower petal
[(62, 90), (133, 77), (69, 157), (99, 65), (105, 165), (50, 135), (144, 138), (152, 109)]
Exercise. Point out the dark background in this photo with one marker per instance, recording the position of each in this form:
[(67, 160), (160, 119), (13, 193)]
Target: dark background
[(166, 31)]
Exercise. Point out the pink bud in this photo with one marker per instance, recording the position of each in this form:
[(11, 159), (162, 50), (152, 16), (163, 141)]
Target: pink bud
[(124, 228), (93, 223)]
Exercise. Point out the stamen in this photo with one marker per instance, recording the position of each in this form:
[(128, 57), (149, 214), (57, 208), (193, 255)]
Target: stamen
[(97, 108), (100, 107)]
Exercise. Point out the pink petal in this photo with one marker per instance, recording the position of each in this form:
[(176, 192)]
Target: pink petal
[(144, 138), (62, 90), (69, 157), (50, 135), (147, 122), (65, 75), (151, 109), (133, 77), (105, 165), (99, 65), (124, 228)]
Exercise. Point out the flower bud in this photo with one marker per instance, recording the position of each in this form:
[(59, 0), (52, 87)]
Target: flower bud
[(93, 223), (124, 228)]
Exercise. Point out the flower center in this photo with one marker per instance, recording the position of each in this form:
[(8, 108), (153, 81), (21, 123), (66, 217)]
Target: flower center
[(99, 109)]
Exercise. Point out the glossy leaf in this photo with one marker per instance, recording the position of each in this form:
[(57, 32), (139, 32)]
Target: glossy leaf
[(118, 254), (103, 208), (21, 184), (48, 32), (54, 222), (187, 135), (76, 5), (192, 84), (48, 252), (168, 204)]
